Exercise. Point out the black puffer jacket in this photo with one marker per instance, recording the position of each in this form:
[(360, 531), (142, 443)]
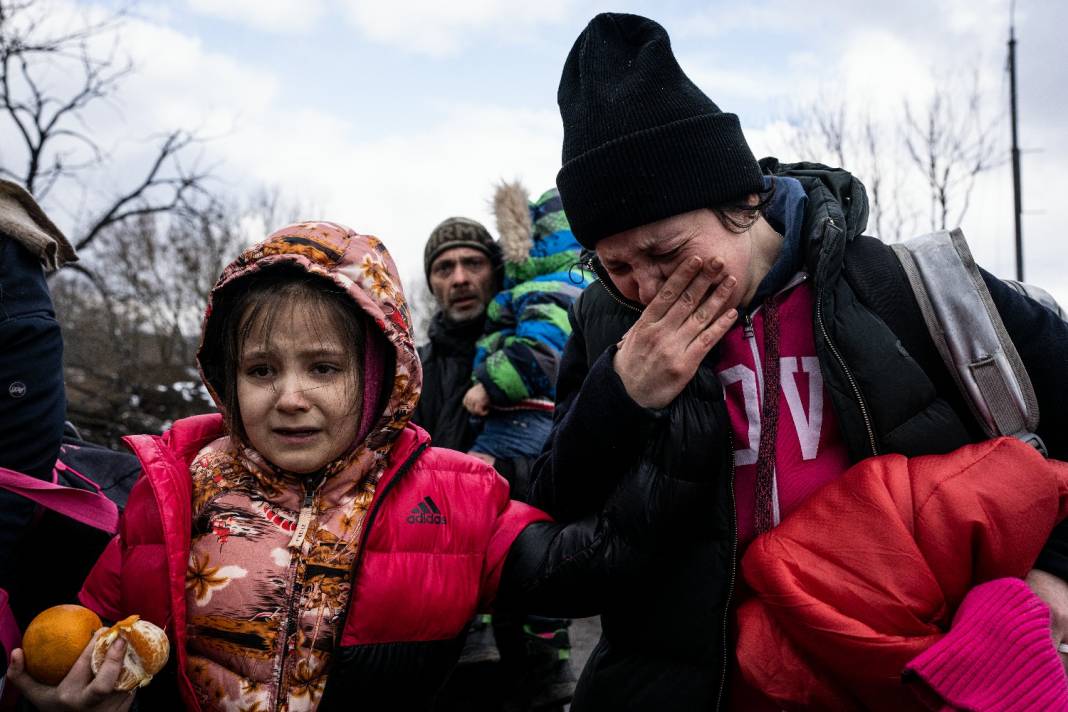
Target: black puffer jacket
[(447, 360), (665, 644)]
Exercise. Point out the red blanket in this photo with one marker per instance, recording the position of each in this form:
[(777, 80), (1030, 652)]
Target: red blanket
[(869, 571)]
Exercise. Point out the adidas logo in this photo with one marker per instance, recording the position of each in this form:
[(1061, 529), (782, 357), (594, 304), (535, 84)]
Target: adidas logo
[(426, 513)]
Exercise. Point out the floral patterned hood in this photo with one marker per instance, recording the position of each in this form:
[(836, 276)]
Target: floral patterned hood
[(272, 553), (361, 266)]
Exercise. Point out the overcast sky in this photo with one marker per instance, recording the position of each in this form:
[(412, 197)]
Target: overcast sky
[(390, 116)]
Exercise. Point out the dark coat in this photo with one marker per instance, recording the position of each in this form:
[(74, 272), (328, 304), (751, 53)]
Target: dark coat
[(33, 402), (448, 360), (665, 644)]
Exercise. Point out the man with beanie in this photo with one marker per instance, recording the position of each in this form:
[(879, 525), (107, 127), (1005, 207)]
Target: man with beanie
[(462, 263), (746, 342), (464, 270)]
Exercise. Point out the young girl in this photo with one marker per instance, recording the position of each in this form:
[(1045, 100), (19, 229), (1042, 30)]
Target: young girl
[(307, 548)]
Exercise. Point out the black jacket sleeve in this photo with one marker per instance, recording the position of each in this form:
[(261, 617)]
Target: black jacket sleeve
[(1041, 338), (673, 491), (518, 471), (598, 430)]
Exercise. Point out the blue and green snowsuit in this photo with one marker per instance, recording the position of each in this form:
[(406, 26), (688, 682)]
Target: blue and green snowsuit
[(527, 322)]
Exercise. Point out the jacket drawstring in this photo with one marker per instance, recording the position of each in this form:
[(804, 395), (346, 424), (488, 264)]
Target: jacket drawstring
[(769, 425)]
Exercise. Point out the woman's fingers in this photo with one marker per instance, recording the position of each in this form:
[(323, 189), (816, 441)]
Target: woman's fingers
[(709, 309), (693, 295), (657, 358), (710, 336), (671, 289)]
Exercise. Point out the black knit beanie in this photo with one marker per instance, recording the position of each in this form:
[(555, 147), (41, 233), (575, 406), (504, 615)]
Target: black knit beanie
[(460, 232), (641, 141)]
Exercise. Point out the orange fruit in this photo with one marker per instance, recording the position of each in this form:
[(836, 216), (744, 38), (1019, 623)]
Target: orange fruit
[(147, 650), (54, 640)]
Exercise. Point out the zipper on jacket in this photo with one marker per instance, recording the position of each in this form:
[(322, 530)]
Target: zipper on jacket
[(730, 580), (749, 333), (747, 318), (375, 505), (594, 265), (844, 367), (307, 511)]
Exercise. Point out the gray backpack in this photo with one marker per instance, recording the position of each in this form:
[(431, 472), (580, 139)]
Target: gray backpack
[(970, 335)]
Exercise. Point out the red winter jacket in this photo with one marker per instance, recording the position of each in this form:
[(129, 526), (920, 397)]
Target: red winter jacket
[(867, 574), (416, 583)]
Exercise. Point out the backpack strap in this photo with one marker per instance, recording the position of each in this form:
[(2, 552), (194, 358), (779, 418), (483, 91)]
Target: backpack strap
[(90, 508), (970, 335)]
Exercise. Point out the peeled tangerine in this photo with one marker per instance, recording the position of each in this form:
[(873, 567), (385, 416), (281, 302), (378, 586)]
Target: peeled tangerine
[(54, 640), (146, 651)]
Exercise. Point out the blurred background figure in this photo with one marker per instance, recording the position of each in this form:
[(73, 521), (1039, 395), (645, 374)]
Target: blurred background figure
[(489, 373)]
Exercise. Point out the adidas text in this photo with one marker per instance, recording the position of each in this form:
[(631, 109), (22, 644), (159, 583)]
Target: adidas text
[(426, 512)]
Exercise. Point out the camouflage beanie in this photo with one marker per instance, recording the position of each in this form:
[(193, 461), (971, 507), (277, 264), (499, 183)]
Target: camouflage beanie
[(460, 232)]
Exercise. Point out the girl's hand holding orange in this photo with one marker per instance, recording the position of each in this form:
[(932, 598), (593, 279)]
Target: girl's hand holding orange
[(68, 662), (80, 689)]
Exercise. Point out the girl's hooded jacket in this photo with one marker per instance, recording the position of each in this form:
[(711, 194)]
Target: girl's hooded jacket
[(431, 535)]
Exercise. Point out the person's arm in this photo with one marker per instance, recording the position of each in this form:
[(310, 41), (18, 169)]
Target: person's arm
[(598, 431), (609, 404), (662, 497), (32, 397), (517, 471), (1041, 338), (571, 569)]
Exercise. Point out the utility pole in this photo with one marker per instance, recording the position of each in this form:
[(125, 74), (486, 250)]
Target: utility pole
[(1017, 199)]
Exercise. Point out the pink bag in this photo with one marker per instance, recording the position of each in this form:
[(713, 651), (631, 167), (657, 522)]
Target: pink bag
[(91, 508), (10, 638)]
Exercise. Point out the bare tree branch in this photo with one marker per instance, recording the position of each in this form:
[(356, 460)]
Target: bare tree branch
[(55, 142), (137, 201), (130, 306), (16, 39), (951, 142)]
